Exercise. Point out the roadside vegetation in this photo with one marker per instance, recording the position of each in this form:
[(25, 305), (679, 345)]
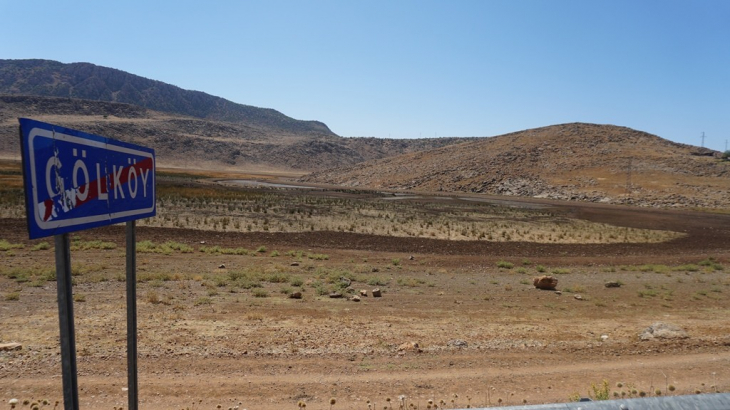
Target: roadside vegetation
[(232, 209)]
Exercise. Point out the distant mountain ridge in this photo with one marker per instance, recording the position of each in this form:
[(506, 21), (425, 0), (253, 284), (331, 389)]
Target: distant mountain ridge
[(91, 82), (190, 142)]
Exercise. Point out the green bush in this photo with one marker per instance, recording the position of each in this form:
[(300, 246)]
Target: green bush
[(6, 246), (41, 246), (260, 293), (601, 392)]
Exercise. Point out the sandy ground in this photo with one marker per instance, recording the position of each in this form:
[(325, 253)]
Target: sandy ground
[(484, 333)]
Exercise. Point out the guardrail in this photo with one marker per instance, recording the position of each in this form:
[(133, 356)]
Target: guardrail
[(717, 401)]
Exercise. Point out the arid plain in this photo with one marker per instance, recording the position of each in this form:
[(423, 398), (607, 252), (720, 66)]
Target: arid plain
[(459, 321)]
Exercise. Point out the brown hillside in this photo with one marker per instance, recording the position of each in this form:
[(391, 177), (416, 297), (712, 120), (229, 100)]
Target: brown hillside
[(601, 163), (199, 143), (85, 81)]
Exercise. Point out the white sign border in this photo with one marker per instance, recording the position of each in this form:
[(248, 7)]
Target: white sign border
[(62, 223)]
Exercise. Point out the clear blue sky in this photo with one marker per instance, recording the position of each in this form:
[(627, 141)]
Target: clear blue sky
[(406, 69)]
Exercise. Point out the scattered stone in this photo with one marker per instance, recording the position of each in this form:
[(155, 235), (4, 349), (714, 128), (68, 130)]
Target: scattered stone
[(612, 284), (295, 295), (5, 347), (375, 270), (545, 282), (377, 293), (604, 338), (409, 347), (457, 343), (335, 295), (662, 330), (411, 258), (294, 264), (578, 297), (363, 292), (355, 298), (345, 281), (202, 242), (557, 292), (221, 266)]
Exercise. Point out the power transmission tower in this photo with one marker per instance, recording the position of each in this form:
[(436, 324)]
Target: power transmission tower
[(703, 139)]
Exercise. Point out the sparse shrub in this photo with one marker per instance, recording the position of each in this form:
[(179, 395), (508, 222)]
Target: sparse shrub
[(203, 301), (574, 289), (277, 278), (318, 256), (600, 392), (321, 289), (260, 293), (6, 246), (505, 265), (41, 246), (687, 268), (377, 281), (647, 293), (12, 296), (153, 298), (79, 245), (410, 282)]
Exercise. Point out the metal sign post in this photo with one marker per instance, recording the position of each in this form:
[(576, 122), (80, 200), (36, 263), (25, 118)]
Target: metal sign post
[(75, 181), (132, 316), (66, 321)]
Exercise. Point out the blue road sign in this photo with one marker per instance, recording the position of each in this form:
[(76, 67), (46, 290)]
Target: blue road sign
[(76, 181)]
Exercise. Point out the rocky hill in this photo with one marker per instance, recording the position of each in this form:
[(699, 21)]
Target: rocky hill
[(601, 163), (201, 143), (86, 81)]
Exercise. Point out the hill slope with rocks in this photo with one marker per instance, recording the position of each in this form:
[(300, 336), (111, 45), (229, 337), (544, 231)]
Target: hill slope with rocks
[(590, 162), (192, 142), (45, 78)]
